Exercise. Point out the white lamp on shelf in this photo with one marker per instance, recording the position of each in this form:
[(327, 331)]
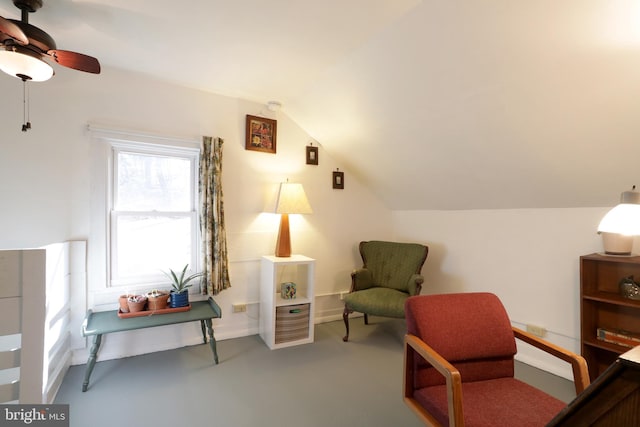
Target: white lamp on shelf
[(621, 223), (291, 199)]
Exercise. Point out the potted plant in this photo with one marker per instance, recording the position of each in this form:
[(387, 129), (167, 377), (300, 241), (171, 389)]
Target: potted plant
[(136, 303), (157, 299), (180, 287), (123, 302)]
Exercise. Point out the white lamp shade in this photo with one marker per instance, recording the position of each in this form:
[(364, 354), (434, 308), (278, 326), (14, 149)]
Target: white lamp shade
[(623, 219), (16, 64), (291, 200)]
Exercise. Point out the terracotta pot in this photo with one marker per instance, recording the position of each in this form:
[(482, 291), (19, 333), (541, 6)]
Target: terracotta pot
[(158, 302), (135, 306), (124, 307)]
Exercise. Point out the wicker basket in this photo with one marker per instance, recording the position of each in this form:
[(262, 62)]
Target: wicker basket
[(292, 323)]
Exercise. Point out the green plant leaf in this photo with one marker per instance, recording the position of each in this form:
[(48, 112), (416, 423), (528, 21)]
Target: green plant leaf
[(180, 284)]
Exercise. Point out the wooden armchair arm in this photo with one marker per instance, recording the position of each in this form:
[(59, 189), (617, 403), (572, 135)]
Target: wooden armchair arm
[(413, 345), (578, 363)]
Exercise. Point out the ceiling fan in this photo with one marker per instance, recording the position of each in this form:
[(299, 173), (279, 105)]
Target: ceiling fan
[(24, 46)]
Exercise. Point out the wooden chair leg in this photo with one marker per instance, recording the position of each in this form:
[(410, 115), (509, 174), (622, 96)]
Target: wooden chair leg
[(366, 319), (345, 317)]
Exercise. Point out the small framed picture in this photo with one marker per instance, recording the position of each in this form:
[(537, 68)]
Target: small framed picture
[(312, 155), (338, 180), (261, 134)]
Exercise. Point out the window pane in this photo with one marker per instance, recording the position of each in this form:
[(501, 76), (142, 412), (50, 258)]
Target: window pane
[(151, 182), (147, 245)]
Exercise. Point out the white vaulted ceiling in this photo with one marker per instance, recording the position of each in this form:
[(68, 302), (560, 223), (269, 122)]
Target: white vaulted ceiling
[(434, 104)]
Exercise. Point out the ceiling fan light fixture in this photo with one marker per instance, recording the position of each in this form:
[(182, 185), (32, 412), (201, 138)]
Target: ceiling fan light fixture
[(20, 62)]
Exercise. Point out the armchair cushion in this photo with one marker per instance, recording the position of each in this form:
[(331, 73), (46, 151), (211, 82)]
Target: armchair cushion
[(500, 402), (378, 302)]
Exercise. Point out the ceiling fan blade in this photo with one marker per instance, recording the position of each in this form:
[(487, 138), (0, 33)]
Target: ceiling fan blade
[(12, 30), (77, 61)]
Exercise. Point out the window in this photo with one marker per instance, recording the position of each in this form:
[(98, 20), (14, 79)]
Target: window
[(149, 210), (153, 223)]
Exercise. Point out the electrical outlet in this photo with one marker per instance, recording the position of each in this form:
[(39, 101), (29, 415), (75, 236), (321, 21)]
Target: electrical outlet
[(538, 331), (342, 294), (239, 308)]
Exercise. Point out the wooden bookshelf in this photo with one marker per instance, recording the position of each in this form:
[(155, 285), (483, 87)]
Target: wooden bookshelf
[(602, 306)]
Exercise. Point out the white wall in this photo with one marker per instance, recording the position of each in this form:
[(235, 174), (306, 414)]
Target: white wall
[(528, 257), (45, 187)]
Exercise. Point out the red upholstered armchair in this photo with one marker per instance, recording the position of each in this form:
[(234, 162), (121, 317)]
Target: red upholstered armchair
[(459, 364)]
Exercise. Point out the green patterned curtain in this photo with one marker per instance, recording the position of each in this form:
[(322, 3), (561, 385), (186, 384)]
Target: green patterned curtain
[(215, 263)]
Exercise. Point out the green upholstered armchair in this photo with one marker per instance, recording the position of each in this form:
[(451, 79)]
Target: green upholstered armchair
[(389, 275)]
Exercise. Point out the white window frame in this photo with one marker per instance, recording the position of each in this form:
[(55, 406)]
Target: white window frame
[(160, 151), (105, 144)]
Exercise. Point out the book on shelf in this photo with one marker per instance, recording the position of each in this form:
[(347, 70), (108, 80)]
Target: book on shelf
[(623, 338)]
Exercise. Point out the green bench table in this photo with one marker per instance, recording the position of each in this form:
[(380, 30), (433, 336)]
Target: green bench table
[(104, 322)]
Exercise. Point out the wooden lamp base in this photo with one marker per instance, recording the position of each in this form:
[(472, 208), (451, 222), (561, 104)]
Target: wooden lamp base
[(283, 245)]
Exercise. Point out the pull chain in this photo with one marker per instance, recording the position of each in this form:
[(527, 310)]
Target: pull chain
[(25, 106)]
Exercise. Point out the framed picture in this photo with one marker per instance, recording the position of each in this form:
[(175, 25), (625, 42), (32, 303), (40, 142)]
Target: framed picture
[(261, 134), (338, 180), (312, 155)]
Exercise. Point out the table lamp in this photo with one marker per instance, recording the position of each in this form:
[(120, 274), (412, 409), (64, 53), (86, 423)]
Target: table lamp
[(621, 223), (291, 200)]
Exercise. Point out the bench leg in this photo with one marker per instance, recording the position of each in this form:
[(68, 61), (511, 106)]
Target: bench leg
[(204, 332), (212, 340), (91, 362)]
